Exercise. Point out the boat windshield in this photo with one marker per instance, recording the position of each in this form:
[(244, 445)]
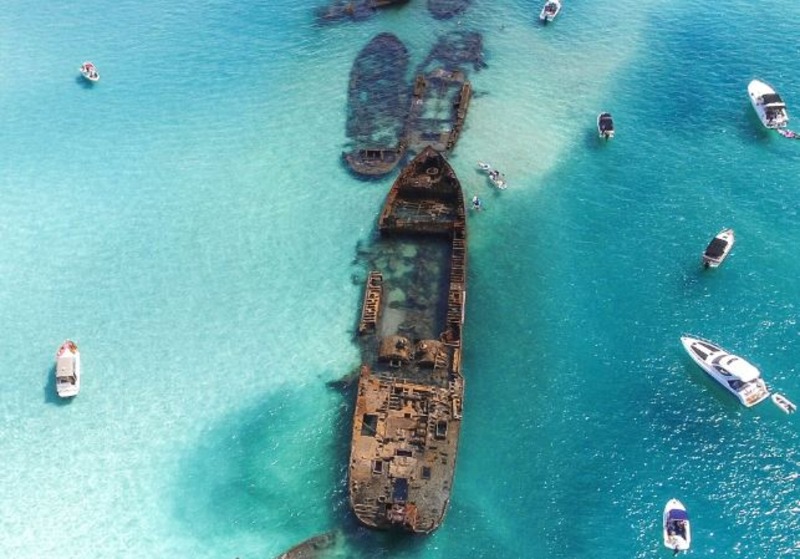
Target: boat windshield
[(772, 99)]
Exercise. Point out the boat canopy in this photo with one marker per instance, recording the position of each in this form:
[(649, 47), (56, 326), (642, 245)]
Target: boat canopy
[(65, 367), (716, 248), (772, 99), (677, 514), (741, 369)]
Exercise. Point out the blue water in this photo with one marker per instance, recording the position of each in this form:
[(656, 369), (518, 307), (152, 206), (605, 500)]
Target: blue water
[(188, 222)]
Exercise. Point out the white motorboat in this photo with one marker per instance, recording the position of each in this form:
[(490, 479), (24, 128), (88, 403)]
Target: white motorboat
[(484, 166), (68, 369), (719, 248), (783, 403), (605, 126), (769, 106), (676, 525), (89, 71), (740, 378), (550, 10)]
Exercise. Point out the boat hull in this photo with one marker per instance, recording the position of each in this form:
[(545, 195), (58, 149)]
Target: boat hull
[(769, 108), (719, 248), (605, 126), (407, 416), (550, 11), (708, 355), (676, 527), (68, 370), (783, 403)]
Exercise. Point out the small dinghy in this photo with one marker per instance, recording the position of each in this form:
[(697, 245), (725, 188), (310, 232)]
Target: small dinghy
[(89, 71), (677, 530), (550, 10), (719, 248), (783, 403)]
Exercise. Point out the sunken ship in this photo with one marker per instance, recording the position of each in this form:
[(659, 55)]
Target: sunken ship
[(407, 416)]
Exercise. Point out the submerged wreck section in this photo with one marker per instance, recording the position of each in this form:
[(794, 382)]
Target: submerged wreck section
[(377, 106), (354, 9), (407, 416), (441, 99), (317, 547), (387, 117), (445, 9)]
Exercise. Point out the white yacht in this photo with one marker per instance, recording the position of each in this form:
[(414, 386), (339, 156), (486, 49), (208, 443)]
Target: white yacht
[(89, 71), (550, 10), (719, 248), (739, 377), (605, 126), (677, 528), (769, 106), (68, 369)]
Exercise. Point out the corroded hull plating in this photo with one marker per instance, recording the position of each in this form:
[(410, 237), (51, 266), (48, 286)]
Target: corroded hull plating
[(377, 106), (407, 416)]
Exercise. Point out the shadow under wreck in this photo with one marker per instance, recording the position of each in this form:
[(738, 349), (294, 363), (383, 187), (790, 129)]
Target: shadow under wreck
[(377, 106), (407, 416)]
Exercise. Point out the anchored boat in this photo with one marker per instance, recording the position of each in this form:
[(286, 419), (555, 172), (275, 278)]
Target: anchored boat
[(676, 526), (550, 10), (768, 105), (68, 370), (89, 71), (719, 248), (407, 416), (605, 126), (740, 378)]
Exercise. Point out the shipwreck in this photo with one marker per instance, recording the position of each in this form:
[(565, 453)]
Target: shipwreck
[(408, 409)]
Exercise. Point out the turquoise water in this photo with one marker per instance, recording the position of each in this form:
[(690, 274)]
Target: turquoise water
[(188, 222)]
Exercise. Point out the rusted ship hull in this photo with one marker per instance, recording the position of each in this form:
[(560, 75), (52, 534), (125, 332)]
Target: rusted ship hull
[(377, 106), (407, 416)]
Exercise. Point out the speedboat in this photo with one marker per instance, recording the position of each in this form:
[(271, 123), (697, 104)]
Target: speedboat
[(550, 10), (677, 528), (484, 166), (68, 369), (783, 403), (605, 126), (739, 377), (769, 106), (719, 248), (89, 71)]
